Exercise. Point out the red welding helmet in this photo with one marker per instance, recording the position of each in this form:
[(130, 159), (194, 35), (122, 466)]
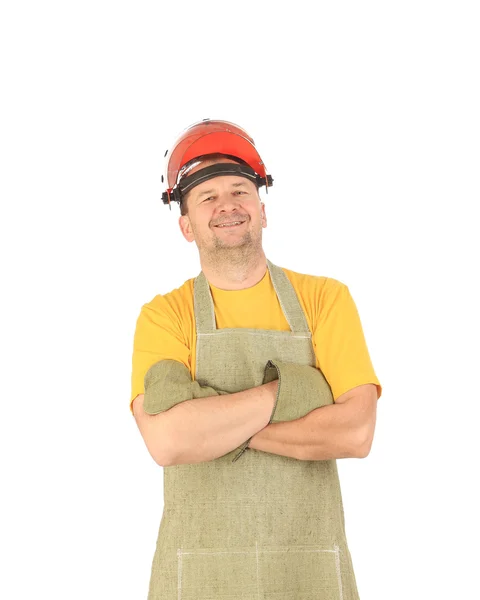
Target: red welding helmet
[(212, 137)]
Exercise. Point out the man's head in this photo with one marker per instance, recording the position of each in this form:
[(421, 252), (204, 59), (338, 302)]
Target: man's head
[(214, 172), (222, 213)]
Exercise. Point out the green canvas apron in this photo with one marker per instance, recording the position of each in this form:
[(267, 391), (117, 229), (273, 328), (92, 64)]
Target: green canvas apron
[(264, 527)]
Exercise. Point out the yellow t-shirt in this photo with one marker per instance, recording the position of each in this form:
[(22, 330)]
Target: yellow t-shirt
[(165, 328)]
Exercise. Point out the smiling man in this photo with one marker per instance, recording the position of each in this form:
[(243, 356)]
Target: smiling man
[(248, 382)]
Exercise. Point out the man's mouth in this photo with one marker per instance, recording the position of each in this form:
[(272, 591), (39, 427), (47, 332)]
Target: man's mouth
[(230, 224)]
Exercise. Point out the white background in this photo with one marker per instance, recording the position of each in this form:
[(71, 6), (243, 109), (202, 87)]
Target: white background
[(367, 116)]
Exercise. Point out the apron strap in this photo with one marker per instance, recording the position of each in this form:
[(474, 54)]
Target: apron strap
[(205, 312), (288, 300), (203, 305)]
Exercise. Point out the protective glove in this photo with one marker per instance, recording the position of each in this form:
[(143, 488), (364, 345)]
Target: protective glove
[(167, 383), (301, 389)]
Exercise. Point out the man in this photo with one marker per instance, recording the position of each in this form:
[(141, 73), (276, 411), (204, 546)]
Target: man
[(248, 382)]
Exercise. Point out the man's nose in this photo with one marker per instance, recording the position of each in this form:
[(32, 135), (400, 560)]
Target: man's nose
[(227, 201)]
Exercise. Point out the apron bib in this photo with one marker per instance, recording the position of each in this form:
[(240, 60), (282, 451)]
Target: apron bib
[(264, 527)]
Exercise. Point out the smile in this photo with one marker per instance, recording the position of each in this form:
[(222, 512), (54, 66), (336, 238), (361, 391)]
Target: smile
[(230, 225)]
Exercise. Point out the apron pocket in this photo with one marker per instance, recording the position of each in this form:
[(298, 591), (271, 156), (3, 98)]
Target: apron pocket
[(217, 574), (300, 573), (263, 573)]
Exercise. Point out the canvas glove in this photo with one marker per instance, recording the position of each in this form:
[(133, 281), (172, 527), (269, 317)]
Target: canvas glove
[(301, 389), (167, 383)]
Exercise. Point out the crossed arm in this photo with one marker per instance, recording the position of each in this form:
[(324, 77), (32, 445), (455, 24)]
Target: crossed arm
[(341, 430), (203, 429)]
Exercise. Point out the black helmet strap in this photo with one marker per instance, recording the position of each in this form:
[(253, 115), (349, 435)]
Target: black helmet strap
[(188, 183)]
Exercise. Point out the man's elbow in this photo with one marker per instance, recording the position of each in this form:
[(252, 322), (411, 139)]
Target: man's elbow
[(156, 449), (158, 454), (362, 443), (362, 451), (155, 433)]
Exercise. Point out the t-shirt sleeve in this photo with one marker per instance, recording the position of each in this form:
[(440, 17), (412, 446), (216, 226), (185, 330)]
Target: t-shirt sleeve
[(339, 341), (158, 336)]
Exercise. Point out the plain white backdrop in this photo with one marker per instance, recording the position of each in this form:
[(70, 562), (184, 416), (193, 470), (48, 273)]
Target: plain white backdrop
[(366, 114)]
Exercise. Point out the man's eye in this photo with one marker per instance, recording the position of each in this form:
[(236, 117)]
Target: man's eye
[(240, 192)]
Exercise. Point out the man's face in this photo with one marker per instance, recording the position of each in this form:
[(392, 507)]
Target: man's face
[(224, 200)]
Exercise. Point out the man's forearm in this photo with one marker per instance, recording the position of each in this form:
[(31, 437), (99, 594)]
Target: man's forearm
[(325, 433), (203, 429)]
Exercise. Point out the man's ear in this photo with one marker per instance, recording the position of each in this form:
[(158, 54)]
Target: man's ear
[(186, 228), (264, 215)]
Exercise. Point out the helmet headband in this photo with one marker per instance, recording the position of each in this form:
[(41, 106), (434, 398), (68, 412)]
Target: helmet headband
[(187, 183)]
